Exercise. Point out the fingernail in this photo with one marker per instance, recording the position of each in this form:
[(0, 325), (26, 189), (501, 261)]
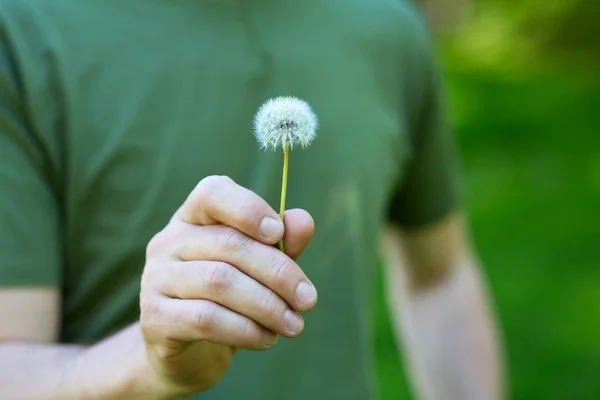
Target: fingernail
[(271, 229), (293, 322), (269, 338), (305, 293)]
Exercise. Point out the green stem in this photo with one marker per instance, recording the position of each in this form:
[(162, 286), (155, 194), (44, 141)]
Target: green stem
[(286, 155)]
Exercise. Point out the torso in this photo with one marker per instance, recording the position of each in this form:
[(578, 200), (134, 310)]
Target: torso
[(152, 96)]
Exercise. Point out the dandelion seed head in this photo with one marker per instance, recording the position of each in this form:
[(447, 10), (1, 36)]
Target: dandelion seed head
[(285, 121)]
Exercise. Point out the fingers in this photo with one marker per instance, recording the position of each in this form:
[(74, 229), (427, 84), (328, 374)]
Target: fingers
[(224, 284), (218, 199), (299, 229), (201, 320), (263, 263), (219, 277)]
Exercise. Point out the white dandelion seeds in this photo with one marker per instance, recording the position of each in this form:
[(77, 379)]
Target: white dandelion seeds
[(285, 121)]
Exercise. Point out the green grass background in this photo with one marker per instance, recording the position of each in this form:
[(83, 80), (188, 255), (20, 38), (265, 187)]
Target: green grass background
[(529, 136)]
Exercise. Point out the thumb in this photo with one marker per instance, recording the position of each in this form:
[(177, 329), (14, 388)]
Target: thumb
[(299, 229)]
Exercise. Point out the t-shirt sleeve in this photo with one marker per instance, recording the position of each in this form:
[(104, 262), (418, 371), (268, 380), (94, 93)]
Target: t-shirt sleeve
[(429, 187), (30, 249)]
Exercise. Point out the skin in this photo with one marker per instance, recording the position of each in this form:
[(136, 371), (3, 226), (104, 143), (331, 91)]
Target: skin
[(441, 312), (213, 283)]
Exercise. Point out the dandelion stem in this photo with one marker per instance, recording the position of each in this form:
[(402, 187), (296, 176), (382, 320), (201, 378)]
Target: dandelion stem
[(286, 154)]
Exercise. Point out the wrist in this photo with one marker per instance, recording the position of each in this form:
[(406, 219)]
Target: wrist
[(143, 379), (126, 372)]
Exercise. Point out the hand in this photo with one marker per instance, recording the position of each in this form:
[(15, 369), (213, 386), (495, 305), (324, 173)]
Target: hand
[(214, 282)]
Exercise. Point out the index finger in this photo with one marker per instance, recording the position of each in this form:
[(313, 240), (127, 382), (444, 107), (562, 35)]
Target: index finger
[(219, 200)]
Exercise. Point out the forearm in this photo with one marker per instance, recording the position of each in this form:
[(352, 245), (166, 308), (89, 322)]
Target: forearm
[(112, 369), (448, 333)]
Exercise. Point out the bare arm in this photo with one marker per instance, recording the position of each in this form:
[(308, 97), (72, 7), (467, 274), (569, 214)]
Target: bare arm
[(441, 312), (33, 366), (213, 283)]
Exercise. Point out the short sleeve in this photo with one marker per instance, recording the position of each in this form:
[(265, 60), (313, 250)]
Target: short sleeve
[(429, 188), (30, 249)]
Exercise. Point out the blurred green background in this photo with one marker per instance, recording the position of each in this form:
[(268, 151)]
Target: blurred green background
[(524, 86)]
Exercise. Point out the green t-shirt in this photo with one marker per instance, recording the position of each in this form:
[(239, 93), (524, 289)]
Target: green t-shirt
[(111, 111)]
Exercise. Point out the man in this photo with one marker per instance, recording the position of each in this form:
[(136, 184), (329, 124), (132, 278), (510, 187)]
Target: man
[(137, 240)]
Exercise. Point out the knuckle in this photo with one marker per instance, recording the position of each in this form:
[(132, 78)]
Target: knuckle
[(204, 191), (279, 271), (148, 276), (235, 241), (149, 314), (152, 276), (206, 318), (215, 180), (249, 332), (157, 243), (220, 278), (210, 184), (269, 306), (164, 242)]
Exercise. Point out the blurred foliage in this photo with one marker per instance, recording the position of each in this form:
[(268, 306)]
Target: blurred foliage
[(553, 25), (522, 31), (525, 95)]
